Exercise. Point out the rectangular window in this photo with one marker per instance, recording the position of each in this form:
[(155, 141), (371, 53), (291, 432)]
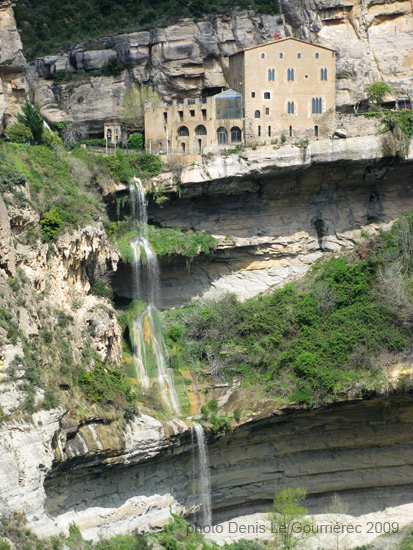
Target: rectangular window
[(259, 131), (291, 131), (165, 117), (269, 131), (267, 95), (316, 106), (290, 75), (252, 94), (181, 116), (192, 112), (204, 114)]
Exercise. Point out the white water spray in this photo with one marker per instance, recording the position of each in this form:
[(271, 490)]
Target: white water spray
[(204, 485), (146, 286)]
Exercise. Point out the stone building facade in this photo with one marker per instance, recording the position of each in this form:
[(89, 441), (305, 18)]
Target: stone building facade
[(286, 87), (194, 126)]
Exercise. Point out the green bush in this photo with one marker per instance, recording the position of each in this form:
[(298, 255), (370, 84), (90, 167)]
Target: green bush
[(135, 141), (100, 288), (113, 67), (104, 385), (51, 224), (51, 400), (213, 405), (146, 164), (19, 133)]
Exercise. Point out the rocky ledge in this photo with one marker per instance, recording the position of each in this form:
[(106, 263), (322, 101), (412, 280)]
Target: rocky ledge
[(112, 480)]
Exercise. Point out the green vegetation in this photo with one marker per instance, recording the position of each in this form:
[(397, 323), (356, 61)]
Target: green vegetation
[(103, 385), (19, 133), (165, 241), (135, 141), (101, 289), (285, 515), (32, 119), (376, 92), (49, 26), (58, 192), (113, 67), (310, 341)]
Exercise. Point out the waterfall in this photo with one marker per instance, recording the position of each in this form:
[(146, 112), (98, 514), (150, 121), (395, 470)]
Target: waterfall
[(204, 486), (147, 330)]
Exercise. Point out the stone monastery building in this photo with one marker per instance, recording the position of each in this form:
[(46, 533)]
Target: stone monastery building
[(286, 87)]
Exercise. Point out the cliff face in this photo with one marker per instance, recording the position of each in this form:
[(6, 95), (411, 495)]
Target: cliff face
[(372, 39), (275, 211), (114, 481), (13, 85)]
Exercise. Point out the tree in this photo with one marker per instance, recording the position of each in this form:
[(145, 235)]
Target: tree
[(73, 133), (337, 509), (288, 522), (132, 109), (135, 141), (31, 117), (376, 91)]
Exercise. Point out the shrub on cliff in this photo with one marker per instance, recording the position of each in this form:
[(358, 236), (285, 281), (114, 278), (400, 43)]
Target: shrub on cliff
[(113, 67), (51, 224), (19, 133)]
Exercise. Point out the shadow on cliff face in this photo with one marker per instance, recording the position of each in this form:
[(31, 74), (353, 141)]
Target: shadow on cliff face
[(361, 450)]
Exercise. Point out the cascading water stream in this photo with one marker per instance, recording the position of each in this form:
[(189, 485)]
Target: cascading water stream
[(146, 327), (204, 481)]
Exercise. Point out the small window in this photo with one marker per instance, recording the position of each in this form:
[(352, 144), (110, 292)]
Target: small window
[(259, 131), (298, 55), (316, 131), (262, 55), (252, 94), (281, 55), (291, 131), (267, 95), (269, 131), (192, 112), (165, 117), (181, 116), (267, 111), (306, 76), (290, 107), (204, 114), (257, 114), (317, 55), (323, 74), (290, 75), (183, 147), (271, 74)]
